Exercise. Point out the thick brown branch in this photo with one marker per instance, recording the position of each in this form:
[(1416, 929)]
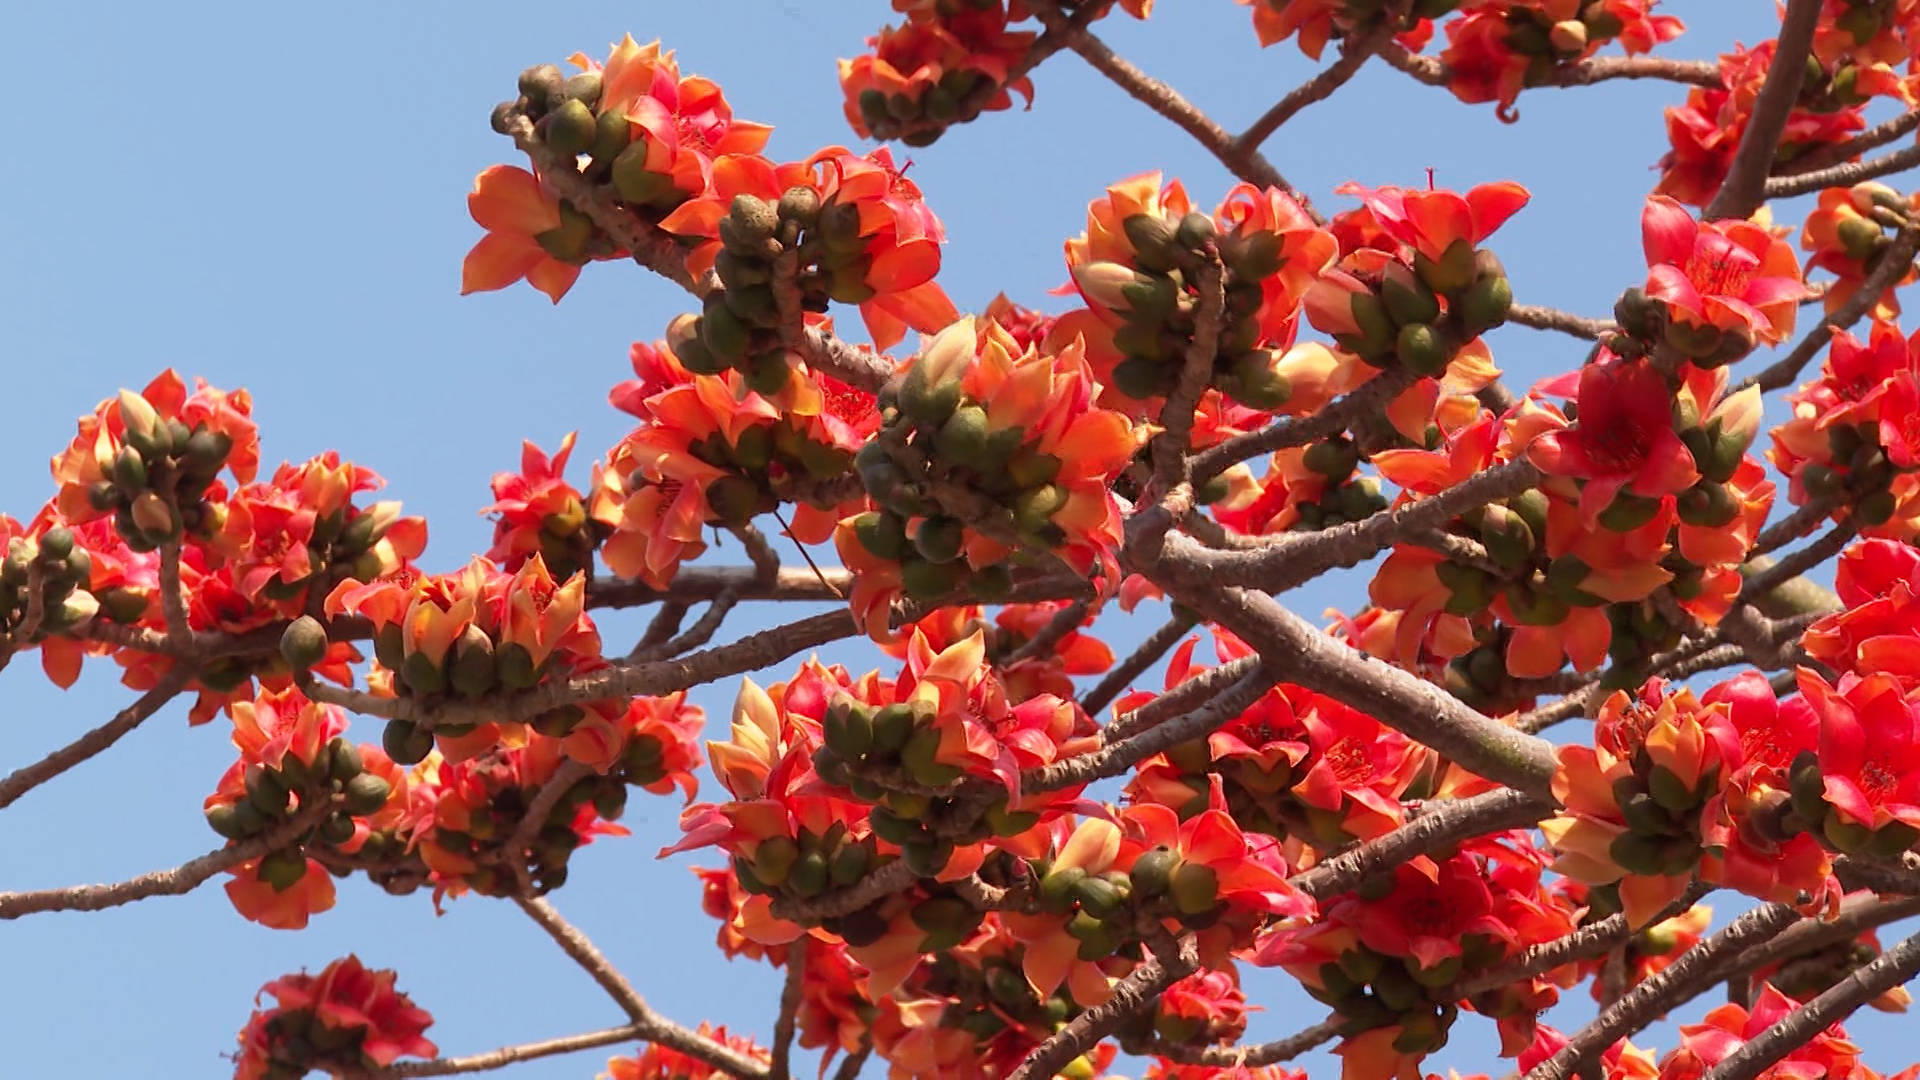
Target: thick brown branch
[(1440, 826), (1372, 397), (1398, 699), (1430, 70), (1295, 559), (1746, 187), (1695, 970), (1258, 1054), (1888, 970)]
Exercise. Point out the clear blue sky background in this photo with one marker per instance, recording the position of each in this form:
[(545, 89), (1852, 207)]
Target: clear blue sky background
[(274, 198)]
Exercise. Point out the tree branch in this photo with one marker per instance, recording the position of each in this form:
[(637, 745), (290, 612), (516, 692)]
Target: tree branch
[(1696, 969), (1243, 162), (784, 1024), (1133, 993), (1546, 318), (1354, 53), (94, 742), (652, 1027), (509, 1055), (1115, 682), (1445, 824), (177, 881), (1257, 1055), (1888, 970), (1398, 699), (1746, 187), (1844, 175), (1897, 260)]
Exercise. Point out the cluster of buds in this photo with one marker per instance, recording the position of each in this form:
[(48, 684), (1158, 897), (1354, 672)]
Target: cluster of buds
[(270, 795), (344, 1021), (710, 451), (1423, 288), (158, 480), (1635, 802), (569, 117), (1345, 495), (945, 65), (462, 637), (989, 996), (44, 582), (1145, 258), (1317, 22), (1879, 29), (1854, 437), (741, 325), (1389, 957), (808, 864), (481, 804), (1848, 235), (1496, 49), (968, 478)]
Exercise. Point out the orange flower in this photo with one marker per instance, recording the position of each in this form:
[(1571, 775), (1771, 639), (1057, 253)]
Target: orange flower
[(529, 236)]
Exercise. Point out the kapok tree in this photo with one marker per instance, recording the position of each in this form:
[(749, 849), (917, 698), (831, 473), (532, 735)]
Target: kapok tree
[(1370, 807)]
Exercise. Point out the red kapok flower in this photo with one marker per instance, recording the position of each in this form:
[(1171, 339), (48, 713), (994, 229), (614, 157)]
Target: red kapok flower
[(344, 1020)]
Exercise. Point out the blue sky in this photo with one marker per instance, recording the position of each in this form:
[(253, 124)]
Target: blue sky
[(274, 197)]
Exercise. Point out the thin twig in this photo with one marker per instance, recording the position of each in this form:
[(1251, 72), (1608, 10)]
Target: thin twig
[(1115, 682), (1546, 318), (652, 1026), (1243, 162), (510, 1055), (177, 881), (1258, 1054), (1354, 53), (94, 742), (1897, 260), (788, 1020), (1065, 621)]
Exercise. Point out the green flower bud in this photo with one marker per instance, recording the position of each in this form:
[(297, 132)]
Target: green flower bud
[(304, 643), (405, 742), (1407, 298), (571, 128), (940, 539), (366, 793), (1422, 349), (1195, 888), (283, 869)]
